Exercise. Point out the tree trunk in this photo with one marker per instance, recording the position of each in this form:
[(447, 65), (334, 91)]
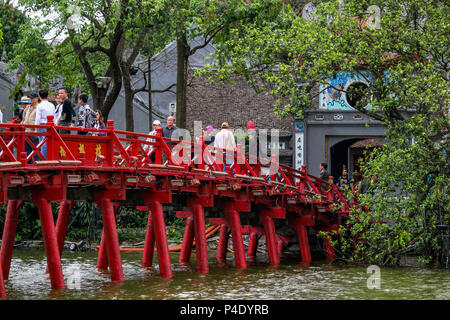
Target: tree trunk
[(129, 95), (150, 106), (182, 64)]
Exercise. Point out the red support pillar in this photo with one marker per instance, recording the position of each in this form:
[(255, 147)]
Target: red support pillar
[(62, 223), (102, 258), (50, 243), (201, 248), (222, 248), (9, 234), (111, 239), (252, 244), (188, 239), (149, 245), (2, 284), (280, 246), (271, 239), (329, 250), (303, 242), (161, 239), (236, 232)]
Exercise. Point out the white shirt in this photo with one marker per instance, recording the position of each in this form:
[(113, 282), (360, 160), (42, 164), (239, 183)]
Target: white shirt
[(58, 111), (44, 109), (225, 138), (147, 146)]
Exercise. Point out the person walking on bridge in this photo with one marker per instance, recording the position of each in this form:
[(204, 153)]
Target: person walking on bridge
[(323, 171), (168, 130), (67, 114), (225, 140), (86, 116), (29, 105), (43, 110)]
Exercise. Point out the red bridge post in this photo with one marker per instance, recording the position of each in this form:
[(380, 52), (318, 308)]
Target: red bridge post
[(111, 238), (161, 238), (2, 284), (50, 241), (201, 248), (222, 247), (62, 223), (303, 243), (252, 244), (149, 244), (300, 223), (102, 257), (9, 234), (329, 250), (236, 233), (271, 238), (188, 239)]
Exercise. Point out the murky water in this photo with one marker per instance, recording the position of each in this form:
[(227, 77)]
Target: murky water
[(28, 280)]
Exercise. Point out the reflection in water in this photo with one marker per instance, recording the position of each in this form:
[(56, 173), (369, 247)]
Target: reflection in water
[(304, 264), (291, 280)]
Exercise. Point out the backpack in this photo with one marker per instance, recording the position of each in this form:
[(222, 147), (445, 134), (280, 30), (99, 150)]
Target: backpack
[(91, 117)]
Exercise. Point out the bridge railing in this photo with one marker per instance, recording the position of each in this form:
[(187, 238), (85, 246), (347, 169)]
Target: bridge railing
[(116, 148)]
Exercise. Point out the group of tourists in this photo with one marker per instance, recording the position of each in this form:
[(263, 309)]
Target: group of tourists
[(343, 181), (224, 139), (35, 108)]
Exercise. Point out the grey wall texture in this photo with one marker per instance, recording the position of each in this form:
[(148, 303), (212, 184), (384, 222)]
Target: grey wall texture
[(236, 104)]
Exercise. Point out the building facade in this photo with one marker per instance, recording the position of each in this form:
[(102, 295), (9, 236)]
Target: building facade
[(332, 126)]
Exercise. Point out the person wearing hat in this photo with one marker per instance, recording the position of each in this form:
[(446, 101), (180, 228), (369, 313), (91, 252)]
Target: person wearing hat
[(209, 135), (29, 110), (226, 143), (148, 147), (24, 102), (28, 117), (252, 142)]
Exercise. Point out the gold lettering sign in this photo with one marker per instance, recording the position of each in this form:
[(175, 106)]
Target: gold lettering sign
[(62, 152), (81, 148), (98, 150)]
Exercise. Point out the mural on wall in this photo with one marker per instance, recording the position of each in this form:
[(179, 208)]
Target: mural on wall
[(331, 98)]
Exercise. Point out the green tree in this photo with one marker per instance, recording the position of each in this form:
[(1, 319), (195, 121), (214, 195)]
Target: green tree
[(11, 19), (88, 42), (401, 50)]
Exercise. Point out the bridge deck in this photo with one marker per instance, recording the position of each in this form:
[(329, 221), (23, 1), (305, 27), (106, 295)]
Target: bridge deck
[(152, 172)]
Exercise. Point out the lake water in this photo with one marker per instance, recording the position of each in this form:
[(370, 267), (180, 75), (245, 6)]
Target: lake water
[(289, 281)]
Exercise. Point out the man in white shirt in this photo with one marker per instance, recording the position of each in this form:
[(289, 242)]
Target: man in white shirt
[(156, 124), (225, 140), (44, 109)]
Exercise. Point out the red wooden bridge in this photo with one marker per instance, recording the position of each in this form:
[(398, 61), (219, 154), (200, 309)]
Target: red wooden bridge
[(125, 169)]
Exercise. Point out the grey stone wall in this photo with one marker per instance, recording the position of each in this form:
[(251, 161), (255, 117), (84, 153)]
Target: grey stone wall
[(234, 103)]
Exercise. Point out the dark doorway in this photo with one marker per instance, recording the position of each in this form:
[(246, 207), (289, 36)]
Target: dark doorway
[(339, 157)]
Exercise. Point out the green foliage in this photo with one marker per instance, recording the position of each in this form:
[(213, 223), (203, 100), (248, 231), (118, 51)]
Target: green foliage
[(10, 19), (28, 223), (407, 57), (86, 40)]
